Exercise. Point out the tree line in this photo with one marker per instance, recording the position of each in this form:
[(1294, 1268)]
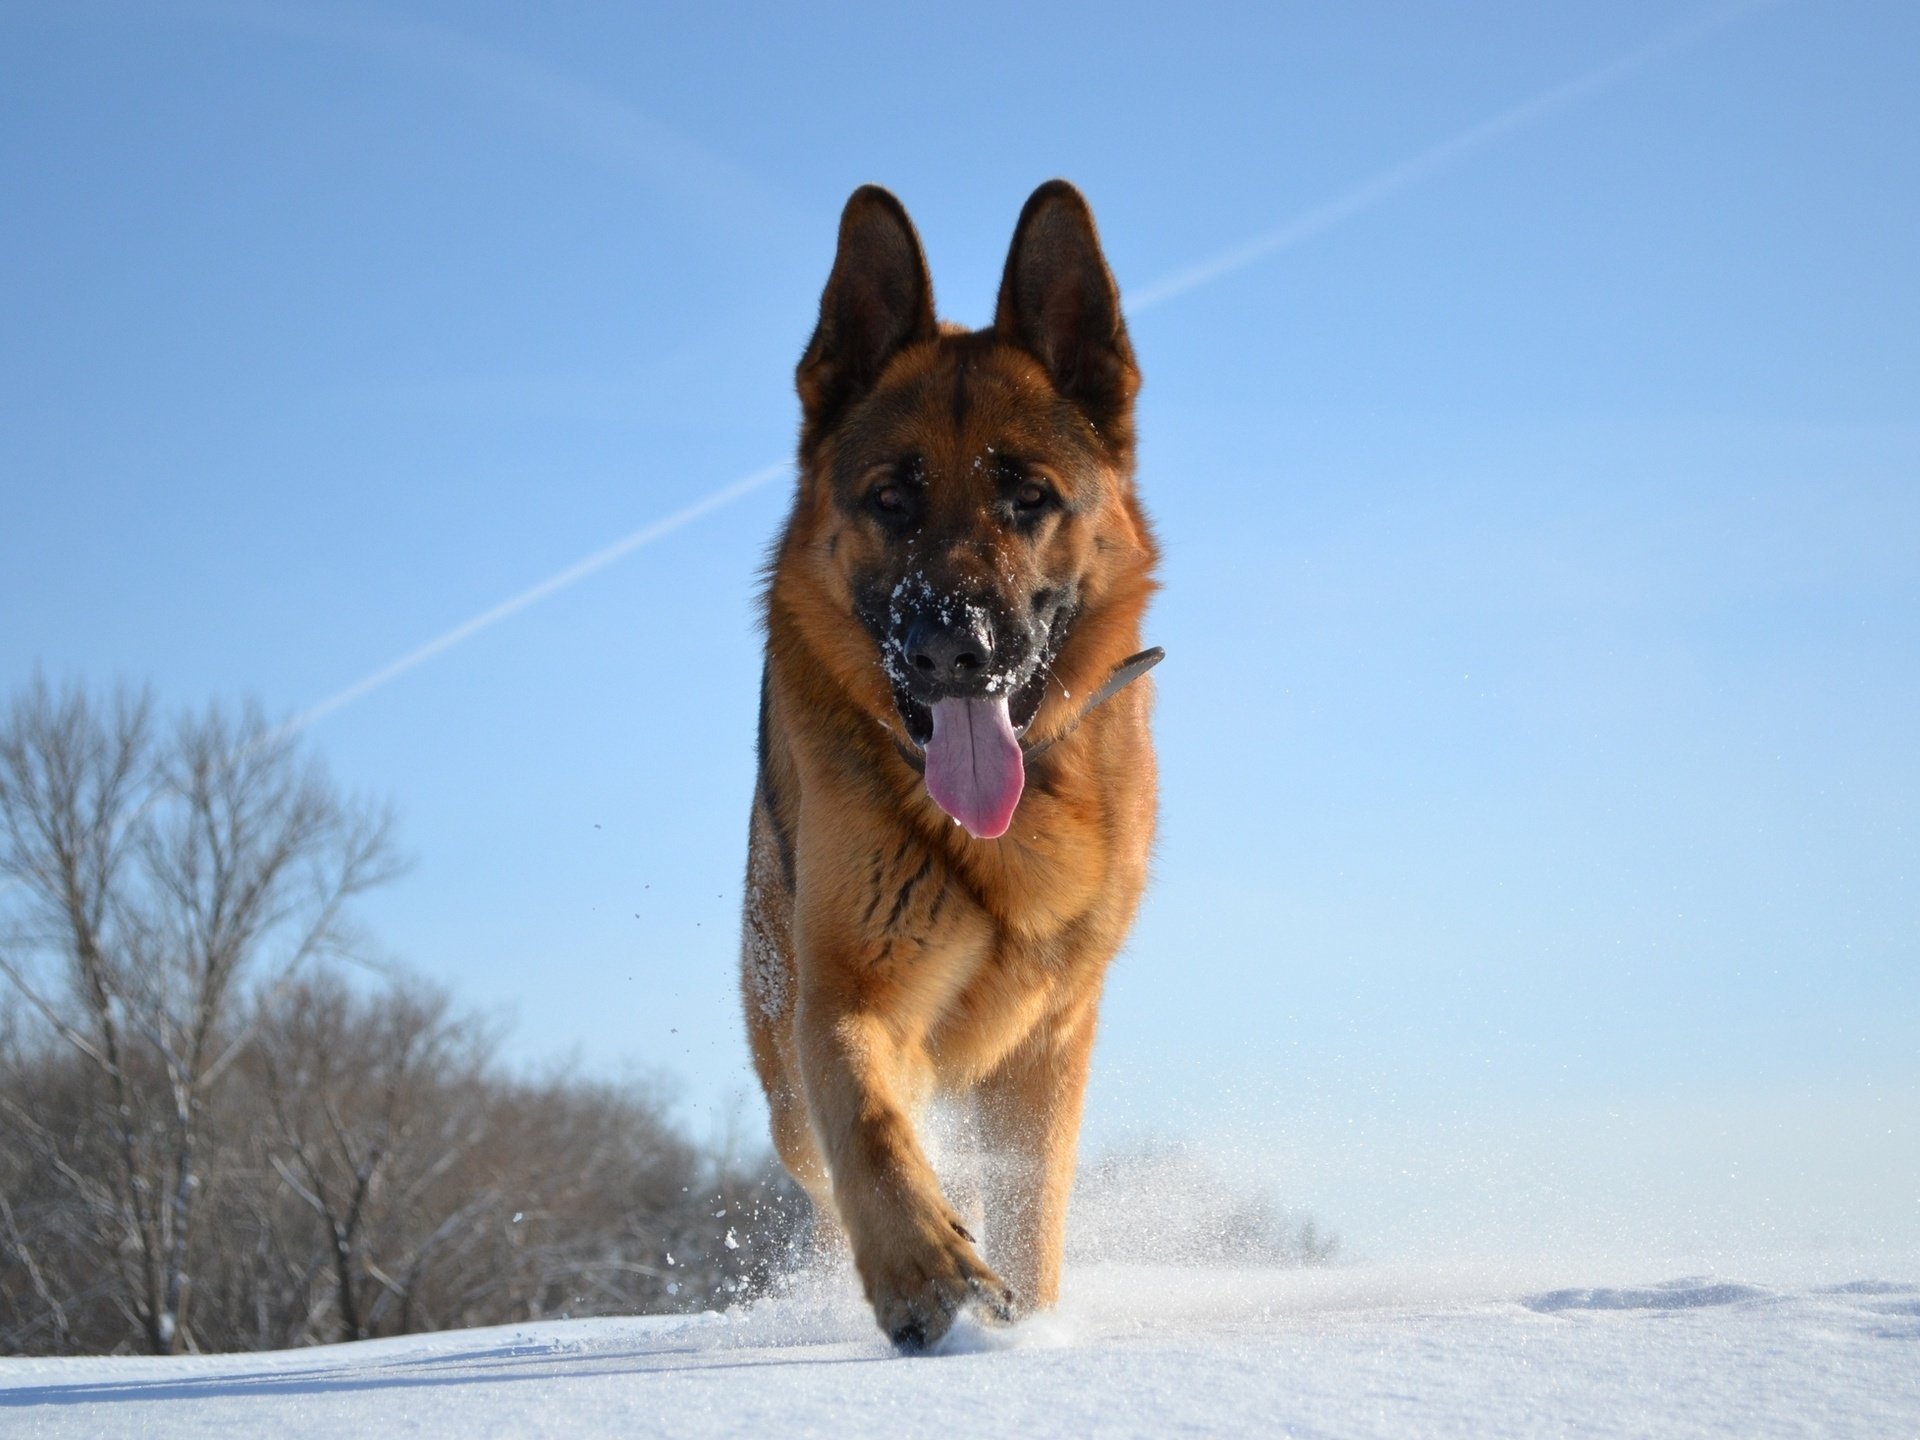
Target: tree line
[(211, 1138), (218, 1133)]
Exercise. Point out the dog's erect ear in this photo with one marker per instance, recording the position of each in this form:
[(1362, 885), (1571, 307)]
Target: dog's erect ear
[(1059, 303), (878, 300)]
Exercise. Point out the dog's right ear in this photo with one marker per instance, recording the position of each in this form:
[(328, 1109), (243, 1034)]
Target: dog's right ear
[(878, 300)]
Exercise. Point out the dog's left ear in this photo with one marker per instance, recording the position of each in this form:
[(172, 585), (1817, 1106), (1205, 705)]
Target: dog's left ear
[(1058, 302)]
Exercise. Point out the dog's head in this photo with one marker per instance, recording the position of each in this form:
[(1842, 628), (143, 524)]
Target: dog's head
[(966, 498)]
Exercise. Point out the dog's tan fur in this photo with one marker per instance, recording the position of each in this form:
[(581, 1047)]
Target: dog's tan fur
[(889, 956)]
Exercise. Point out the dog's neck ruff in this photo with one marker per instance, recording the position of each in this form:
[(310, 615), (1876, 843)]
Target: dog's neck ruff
[(1124, 674)]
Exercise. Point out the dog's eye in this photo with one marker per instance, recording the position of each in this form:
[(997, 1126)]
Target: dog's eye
[(890, 498), (1030, 496)]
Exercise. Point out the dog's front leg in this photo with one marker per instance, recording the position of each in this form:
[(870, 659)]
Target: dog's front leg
[(915, 1258), (1030, 1126)]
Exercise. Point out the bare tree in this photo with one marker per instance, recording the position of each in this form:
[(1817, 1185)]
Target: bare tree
[(373, 1096), (150, 880), (209, 1139), (448, 1192)]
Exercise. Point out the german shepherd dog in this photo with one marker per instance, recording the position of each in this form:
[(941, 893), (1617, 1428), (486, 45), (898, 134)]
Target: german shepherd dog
[(950, 831)]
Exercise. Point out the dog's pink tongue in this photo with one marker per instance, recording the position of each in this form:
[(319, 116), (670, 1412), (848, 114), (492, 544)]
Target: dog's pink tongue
[(974, 768)]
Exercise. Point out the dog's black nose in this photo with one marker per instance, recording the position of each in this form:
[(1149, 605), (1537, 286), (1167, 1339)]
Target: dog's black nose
[(956, 655)]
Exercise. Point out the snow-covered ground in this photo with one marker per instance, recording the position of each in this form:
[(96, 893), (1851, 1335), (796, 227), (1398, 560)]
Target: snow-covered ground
[(1827, 1346)]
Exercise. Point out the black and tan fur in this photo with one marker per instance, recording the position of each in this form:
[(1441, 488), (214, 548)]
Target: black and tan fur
[(889, 956)]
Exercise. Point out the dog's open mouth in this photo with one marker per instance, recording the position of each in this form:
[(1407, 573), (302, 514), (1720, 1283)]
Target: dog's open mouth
[(975, 769)]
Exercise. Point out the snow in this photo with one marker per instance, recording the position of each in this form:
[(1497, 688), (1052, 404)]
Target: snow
[(1827, 1345)]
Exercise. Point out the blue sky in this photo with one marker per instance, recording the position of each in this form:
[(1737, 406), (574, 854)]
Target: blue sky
[(1541, 524)]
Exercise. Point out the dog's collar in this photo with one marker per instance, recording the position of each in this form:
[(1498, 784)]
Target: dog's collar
[(1124, 674)]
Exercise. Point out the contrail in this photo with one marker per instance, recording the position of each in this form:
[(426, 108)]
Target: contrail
[(1364, 196), (533, 595), (467, 629), (1434, 159)]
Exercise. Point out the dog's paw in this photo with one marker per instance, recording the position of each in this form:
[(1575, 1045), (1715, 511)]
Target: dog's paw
[(924, 1281)]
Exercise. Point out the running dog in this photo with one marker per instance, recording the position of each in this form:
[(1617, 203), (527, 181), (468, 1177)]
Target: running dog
[(956, 792)]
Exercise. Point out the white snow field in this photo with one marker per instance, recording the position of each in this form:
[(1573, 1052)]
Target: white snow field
[(1822, 1347)]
